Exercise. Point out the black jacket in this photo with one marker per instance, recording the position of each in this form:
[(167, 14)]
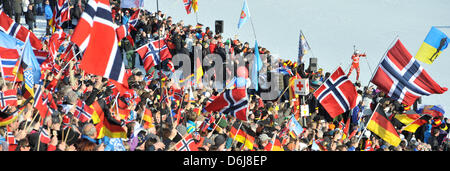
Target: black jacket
[(7, 6), (433, 141), (17, 6)]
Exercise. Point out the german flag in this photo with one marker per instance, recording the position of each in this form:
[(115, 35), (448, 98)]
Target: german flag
[(6, 119), (276, 145), (381, 126), (249, 138), (148, 119), (407, 118), (113, 131), (237, 133), (412, 127), (104, 127), (97, 112)]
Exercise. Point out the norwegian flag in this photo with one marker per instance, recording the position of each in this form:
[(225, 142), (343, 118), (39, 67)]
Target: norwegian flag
[(208, 123), (83, 112), (18, 31), (65, 122), (82, 34), (8, 98), (61, 14), (124, 31), (152, 55), (211, 99), (134, 19), (9, 58), (70, 53), (102, 56), (46, 65), (41, 102), (41, 56), (402, 78), (176, 93), (187, 144), (54, 43), (44, 136), (188, 6), (233, 102), (337, 94), (10, 138), (171, 66)]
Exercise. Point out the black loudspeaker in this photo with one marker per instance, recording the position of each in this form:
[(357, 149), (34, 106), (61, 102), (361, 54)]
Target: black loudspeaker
[(313, 64), (219, 26)]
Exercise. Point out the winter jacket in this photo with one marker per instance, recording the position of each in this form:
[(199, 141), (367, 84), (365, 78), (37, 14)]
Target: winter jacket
[(48, 12), (17, 6)]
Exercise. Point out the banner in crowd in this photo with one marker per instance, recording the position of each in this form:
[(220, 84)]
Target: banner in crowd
[(301, 87), (132, 3)]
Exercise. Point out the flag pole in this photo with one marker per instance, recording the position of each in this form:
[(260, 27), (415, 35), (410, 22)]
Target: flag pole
[(67, 135), (237, 132), (253, 27), (39, 139), (218, 121), (373, 73), (385, 53), (301, 32), (196, 16), (145, 107), (365, 129), (34, 118), (279, 98), (20, 59), (442, 26), (160, 74)]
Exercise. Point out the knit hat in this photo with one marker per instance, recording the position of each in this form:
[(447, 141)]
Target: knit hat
[(331, 126)]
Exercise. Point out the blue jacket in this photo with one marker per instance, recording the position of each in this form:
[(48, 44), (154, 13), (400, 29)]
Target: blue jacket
[(48, 12), (427, 133), (125, 19)]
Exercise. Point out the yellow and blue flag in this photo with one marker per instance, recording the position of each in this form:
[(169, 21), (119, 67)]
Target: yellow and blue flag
[(244, 15), (435, 42)]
